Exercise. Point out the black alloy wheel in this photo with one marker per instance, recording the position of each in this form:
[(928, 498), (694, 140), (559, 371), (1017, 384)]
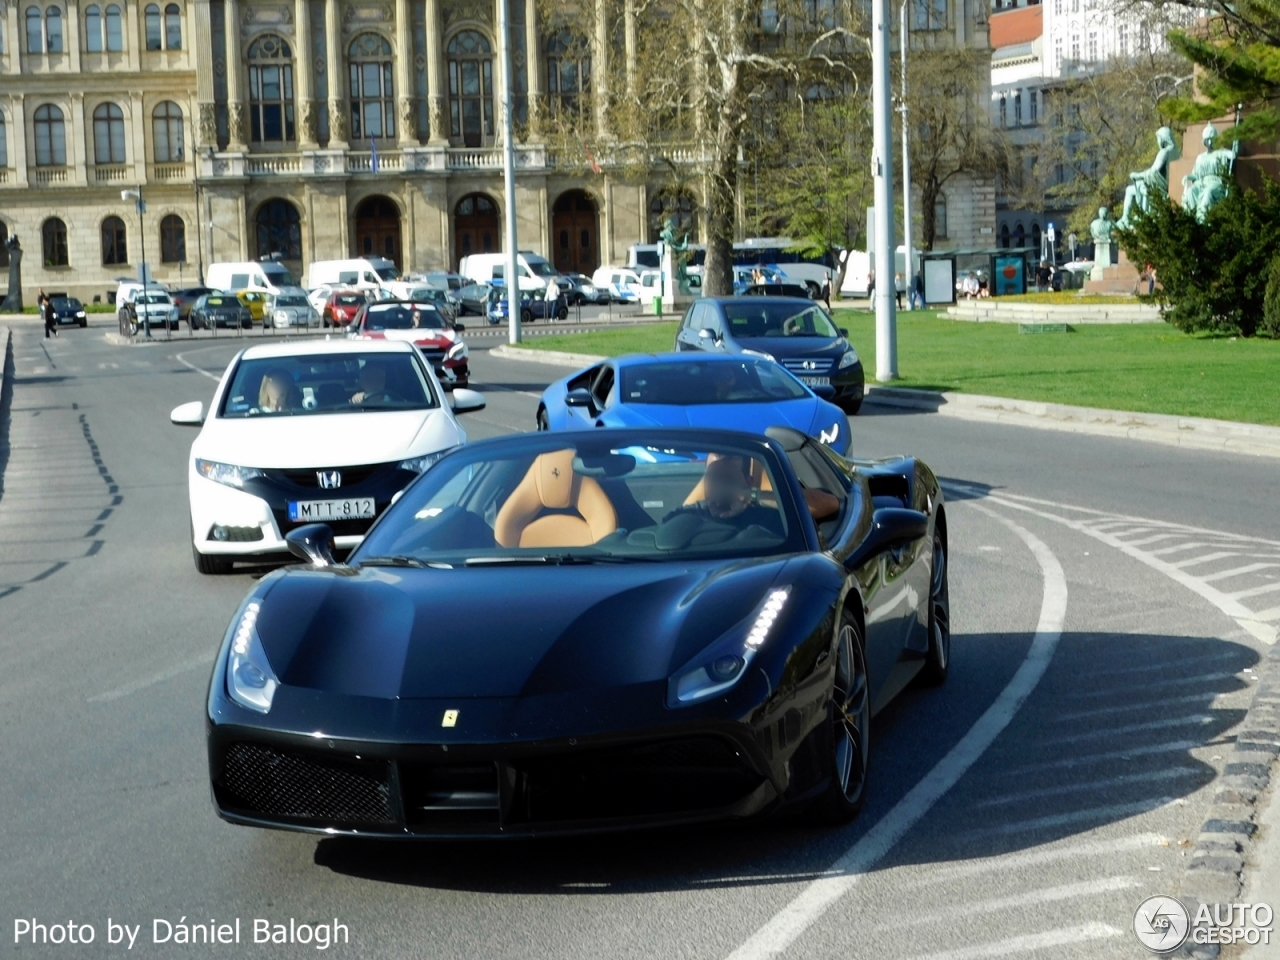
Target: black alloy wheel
[(848, 730), (562, 312), (526, 315), (938, 661), (544, 421)]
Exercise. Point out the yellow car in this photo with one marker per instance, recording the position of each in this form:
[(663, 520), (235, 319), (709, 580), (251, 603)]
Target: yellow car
[(256, 302)]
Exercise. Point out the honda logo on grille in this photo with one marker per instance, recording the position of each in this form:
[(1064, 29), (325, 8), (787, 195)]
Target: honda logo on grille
[(329, 479)]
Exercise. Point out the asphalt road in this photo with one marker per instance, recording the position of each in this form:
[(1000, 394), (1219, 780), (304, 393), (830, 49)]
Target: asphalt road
[(1024, 809)]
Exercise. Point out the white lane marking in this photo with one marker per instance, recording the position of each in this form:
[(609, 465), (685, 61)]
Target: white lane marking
[(796, 917), (1154, 776), (1129, 708), (200, 370), (1272, 614), (108, 366), (1255, 591), (1106, 814), (204, 660), (1180, 547), (1146, 540), (39, 370), (1024, 945), (1196, 561), (1238, 571), (1066, 763), (1197, 719), (1068, 891), (1040, 857)]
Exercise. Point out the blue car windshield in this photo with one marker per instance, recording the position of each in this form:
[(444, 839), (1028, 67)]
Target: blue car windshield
[(709, 382), (588, 501), (780, 318)]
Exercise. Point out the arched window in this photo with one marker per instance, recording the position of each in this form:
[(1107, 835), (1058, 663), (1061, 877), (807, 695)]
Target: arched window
[(35, 30), (678, 206), (172, 27), (470, 88), (51, 136), (115, 35), (1004, 235), (108, 134), (929, 14), (270, 90), (1035, 237), (93, 28), (4, 251), (1004, 111), (115, 248), (152, 18), (279, 230), (4, 143), (940, 218), (373, 111), (53, 29), (173, 240), (1017, 109), (568, 72), (53, 241), (166, 133), (1019, 236)]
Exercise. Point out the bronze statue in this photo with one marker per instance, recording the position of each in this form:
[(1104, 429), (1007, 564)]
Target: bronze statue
[(13, 300), (1101, 228), (1206, 184), (679, 256), (1152, 181)]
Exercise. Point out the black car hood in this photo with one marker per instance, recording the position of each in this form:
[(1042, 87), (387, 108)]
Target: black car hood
[(504, 631), (789, 347)]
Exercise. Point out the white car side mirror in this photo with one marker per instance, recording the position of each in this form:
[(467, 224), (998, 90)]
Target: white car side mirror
[(466, 401), (189, 414)]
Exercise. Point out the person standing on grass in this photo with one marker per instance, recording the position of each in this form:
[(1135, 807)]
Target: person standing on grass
[(825, 292), (899, 288), (917, 292), (871, 287)]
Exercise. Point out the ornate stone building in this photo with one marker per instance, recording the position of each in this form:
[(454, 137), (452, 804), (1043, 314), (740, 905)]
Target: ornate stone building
[(319, 129)]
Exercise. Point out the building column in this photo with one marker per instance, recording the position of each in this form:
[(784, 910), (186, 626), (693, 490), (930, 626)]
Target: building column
[(439, 133), (629, 44), (237, 128), (407, 128), (304, 81), (13, 38), (137, 125), (339, 129), (133, 38), (205, 119), (600, 69), (78, 144), (18, 136), (535, 67), (72, 39)]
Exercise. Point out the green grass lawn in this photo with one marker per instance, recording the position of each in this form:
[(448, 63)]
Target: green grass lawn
[(1149, 367)]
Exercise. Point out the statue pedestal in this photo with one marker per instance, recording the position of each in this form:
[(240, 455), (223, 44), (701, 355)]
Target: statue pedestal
[(1101, 258), (668, 275), (1104, 278)]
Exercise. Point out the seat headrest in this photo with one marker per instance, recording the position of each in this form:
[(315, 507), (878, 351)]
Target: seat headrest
[(553, 477)]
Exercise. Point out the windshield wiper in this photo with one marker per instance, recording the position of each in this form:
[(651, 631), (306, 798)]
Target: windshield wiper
[(566, 559), (401, 560)]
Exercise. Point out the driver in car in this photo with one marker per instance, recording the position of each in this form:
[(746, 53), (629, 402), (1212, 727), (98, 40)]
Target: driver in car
[(276, 392), (373, 385), (729, 498)]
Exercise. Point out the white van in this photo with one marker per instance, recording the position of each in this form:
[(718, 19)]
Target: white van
[(261, 276), (364, 273), (535, 271), (623, 285)]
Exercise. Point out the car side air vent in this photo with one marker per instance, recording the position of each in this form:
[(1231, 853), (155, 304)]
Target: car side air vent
[(889, 490)]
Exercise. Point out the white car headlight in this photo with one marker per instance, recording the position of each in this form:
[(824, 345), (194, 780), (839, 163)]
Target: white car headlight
[(281, 316), (849, 359), (457, 351), (422, 463), (79, 313), (723, 664), (250, 679), (228, 473)]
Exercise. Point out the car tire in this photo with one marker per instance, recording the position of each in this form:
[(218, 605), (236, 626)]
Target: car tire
[(84, 323), (851, 407), (938, 660), (562, 312), (844, 741), (210, 566), (544, 421), (526, 315)]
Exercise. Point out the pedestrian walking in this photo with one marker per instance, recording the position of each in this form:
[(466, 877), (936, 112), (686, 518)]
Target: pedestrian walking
[(899, 288), (1151, 279), (825, 292), (48, 314), (917, 292), (871, 287), (1044, 277)]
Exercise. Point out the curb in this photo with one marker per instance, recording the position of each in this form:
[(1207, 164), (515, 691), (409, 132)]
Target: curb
[(1197, 433)]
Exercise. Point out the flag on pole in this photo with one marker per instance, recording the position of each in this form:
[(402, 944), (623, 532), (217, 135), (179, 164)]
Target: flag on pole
[(373, 149)]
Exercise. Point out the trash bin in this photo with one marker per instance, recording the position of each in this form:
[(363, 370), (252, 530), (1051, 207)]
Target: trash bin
[(657, 306)]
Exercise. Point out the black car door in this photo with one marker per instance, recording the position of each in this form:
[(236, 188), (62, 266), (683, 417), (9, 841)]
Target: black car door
[(687, 335)]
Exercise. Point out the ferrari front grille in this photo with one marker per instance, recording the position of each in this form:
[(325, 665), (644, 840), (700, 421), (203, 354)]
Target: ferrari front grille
[(257, 779)]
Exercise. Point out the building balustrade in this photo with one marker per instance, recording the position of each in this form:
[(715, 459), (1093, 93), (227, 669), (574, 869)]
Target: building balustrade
[(49, 176), (114, 173)]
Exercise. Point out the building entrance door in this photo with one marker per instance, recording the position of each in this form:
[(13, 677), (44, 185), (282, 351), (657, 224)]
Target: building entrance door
[(575, 233), (378, 230)]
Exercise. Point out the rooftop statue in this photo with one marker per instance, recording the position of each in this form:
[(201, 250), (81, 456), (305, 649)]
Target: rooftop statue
[(1206, 184), (1154, 181)]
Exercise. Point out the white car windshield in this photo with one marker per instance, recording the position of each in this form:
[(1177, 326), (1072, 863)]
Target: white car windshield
[(327, 384)]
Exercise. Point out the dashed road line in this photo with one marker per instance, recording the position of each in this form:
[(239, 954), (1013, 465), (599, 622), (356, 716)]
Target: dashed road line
[(1087, 786), (1024, 945)]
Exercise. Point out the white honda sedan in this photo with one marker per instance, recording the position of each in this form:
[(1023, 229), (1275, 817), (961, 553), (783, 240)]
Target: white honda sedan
[(312, 432)]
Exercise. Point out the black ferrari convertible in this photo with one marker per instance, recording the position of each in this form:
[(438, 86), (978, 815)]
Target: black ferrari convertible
[(553, 634)]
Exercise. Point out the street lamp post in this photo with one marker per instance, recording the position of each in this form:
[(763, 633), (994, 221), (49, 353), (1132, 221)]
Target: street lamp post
[(509, 175), (141, 207), (908, 272), (882, 174)]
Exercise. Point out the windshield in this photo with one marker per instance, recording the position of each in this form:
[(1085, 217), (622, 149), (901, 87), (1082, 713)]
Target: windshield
[(541, 268), (543, 502), (350, 300), (279, 277), (426, 293), (220, 302), (291, 302), (397, 316), (387, 273), (156, 298), (66, 303), (714, 381), (327, 383), (778, 319)]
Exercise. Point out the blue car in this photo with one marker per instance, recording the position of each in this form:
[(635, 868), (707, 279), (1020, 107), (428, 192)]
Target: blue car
[(533, 306), (739, 392)]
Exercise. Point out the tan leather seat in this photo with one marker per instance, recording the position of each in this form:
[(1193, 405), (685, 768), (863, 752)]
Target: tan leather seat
[(551, 484), (759, 480)]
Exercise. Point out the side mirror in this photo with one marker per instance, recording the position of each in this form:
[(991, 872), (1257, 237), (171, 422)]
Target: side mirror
[(844, 332), (579, 398), (706, 333), (466, 401), (188, 414), (459, 327), (893, 526), (312, 543)]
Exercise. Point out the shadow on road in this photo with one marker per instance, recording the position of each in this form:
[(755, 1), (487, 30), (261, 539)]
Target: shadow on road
[(1106, 737)]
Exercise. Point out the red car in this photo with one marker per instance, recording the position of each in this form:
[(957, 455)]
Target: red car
[(438, 338), (341, 307)]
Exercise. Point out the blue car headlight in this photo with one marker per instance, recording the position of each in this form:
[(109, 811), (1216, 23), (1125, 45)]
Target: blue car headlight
[(849, 359), (250, 679), (724, 663)]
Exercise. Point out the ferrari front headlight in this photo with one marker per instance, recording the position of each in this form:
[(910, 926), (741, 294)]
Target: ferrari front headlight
[(723, 664), (250, 679), (227, 473)]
